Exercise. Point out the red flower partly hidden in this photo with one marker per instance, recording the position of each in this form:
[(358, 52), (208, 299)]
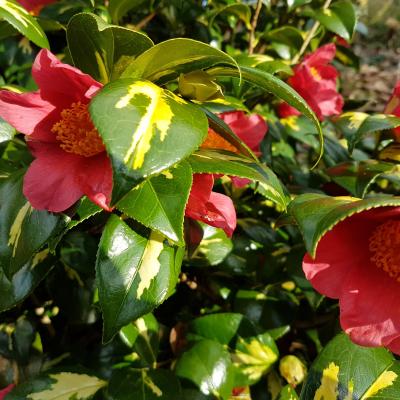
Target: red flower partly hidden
[(35, 6), (315, 80), (251, 129), (212, 208), (6, 390), (358, 262), (70, 158), (393, 107)]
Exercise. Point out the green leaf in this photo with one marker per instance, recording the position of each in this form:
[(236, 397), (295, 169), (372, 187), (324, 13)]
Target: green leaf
[(85, 210), (340, 18), (96, 47), (357, 176), (241, 11), (344, 370), (276, 86), (119, 8), (135, 273), (7, 132), (128, 384), (355, 125), (208, 365), (213, 248), (143, 126), (288, 35), (315, 214), (223, 162), (167, 60), (15, 289), (23, 230), (60, 386), (288, 393), (21, 20), (167, 194)]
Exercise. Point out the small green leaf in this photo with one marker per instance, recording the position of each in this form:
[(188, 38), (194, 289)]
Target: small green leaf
[(135, 273), (315, 214), (167, 60), (288, 35), (129, 384), (7, 132), (119, 8), (145, 129), (21, 20), (96, 47), (344, 370), (288, 393), (241, 11), (23, 230), (223, 162), (340, 18), (208, 365), (357, 176), (167, 194), (60, 386)]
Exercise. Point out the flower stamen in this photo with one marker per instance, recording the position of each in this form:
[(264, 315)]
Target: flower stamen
[(384, 244), (76, 131)]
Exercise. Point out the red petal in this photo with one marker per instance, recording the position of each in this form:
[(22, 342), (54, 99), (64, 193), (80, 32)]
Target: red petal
[(61, 84), (199, 195), (221, 213), (323, 55), (6, 390), (24, 111), (369, 310), (96, 180), (33, 5), (50, 182)]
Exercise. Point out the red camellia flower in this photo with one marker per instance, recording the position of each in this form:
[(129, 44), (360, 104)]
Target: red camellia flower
[(393, 107), (315, 80), (358, 262), (212, 208), (5, 391), (70, 158), (34, 6)]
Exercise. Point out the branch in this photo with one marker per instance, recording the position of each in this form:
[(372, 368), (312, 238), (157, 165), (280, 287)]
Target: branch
[(253, 26)]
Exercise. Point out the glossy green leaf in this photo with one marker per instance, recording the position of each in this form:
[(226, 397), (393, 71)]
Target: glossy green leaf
[(208, 365), (7, 132), (357, 176), (355, 125), (240, 11), (59, 386), (276, 86), (15, 289), (85, 210), (21, 20), (167, 60), (129, 384), (288, 35), (135, 273), (222, 162), (288, 393), (159, 202), (23, 230), (315, 214), (96, 47), (340, 18), (213, 248), (344, 370), (143, 126), (119, 8)]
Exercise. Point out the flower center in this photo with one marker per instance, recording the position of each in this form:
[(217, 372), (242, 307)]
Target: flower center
[(215, 141), (315, 73), (76, 131), (384, 244)]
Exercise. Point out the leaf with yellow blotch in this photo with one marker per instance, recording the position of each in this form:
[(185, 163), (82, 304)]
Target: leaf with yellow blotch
[(145, 129)]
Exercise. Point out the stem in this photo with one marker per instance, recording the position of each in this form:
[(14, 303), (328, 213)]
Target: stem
[(253, 26), (310, 35), (141, 24)]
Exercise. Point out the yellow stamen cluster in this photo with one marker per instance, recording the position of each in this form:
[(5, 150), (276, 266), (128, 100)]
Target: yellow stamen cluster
[(384, 244), (76, 131), (315, 73), (215, 141)]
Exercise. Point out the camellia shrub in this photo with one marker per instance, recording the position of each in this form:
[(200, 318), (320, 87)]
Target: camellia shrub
[(189, 207)]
